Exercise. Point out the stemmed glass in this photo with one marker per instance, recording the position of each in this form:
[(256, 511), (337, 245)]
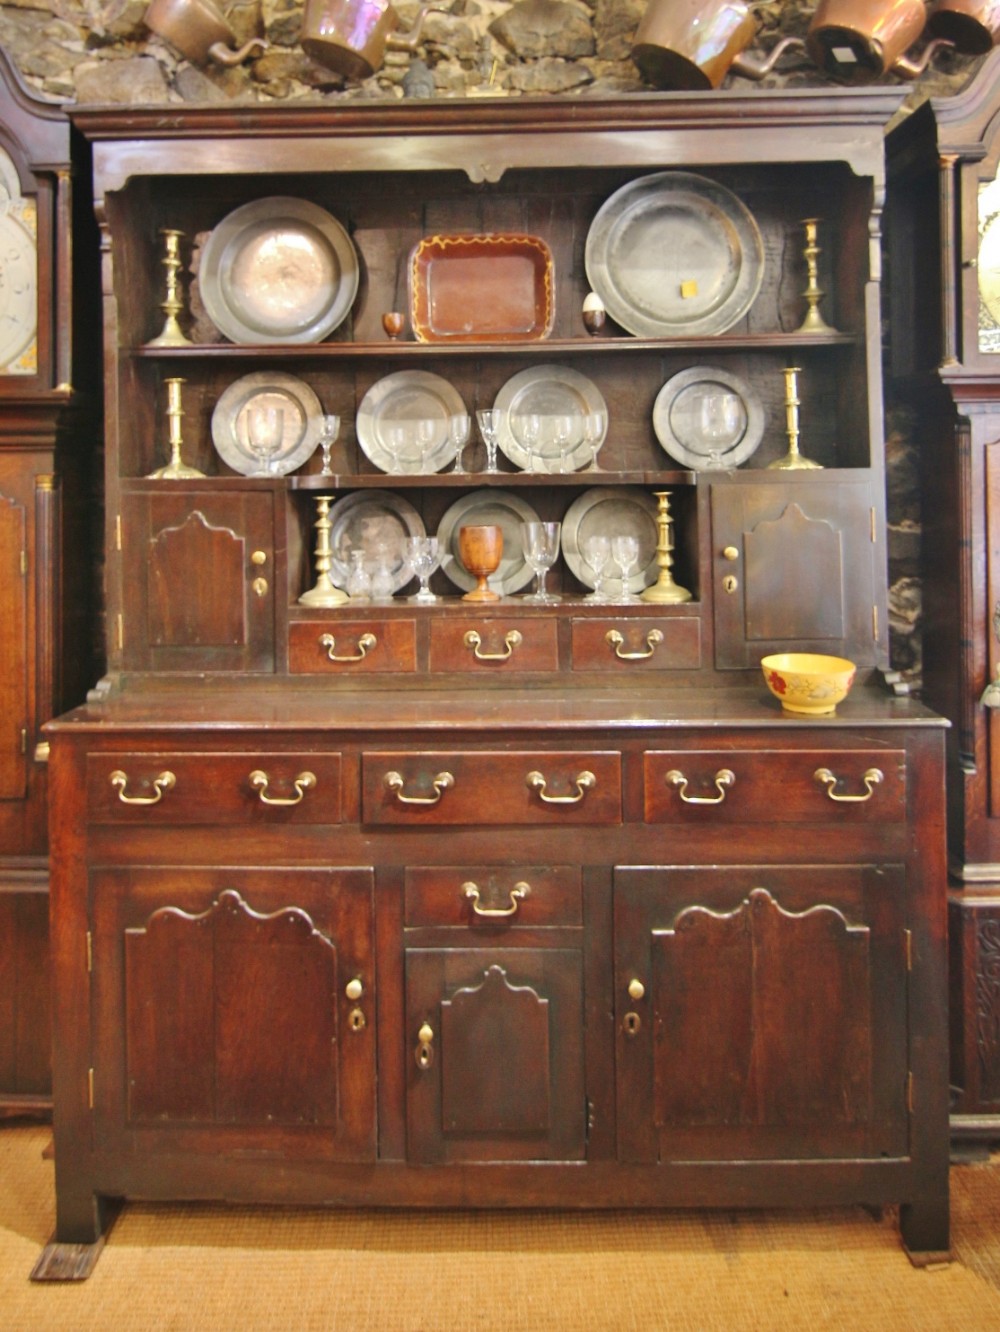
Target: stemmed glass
[(489, 420), (593, 431), (423, 556), (265, 430), (540, 543), (528, 429), (394, 436), (459, 427), (597, 554), (719, 422), (328, 437), (562, 437), (625, 553)]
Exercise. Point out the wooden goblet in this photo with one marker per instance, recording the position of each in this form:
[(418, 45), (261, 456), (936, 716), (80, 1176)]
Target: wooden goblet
[(481, 549)]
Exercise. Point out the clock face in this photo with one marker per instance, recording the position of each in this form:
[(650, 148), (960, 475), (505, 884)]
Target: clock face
[(988, 267), (18, 294)]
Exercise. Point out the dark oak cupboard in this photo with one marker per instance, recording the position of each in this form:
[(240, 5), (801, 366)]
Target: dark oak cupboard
[(515, 905)]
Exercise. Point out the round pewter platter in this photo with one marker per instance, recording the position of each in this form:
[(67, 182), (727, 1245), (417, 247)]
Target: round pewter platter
[(674, 254), (302, 424), (550, 390), (366, 520), (481, 507), (611, 511), (707, 418), (401, 400)]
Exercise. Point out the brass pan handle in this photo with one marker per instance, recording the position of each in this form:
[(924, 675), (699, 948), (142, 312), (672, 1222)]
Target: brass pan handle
[(615, 640), (585, 781), (511, 639), (365, 644), (166, 781), (259, 782), (870, 779), (722, 780), (395, 782), (517, 895)]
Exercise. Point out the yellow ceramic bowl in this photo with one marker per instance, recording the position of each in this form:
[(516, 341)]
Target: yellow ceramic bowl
[(808, 682)]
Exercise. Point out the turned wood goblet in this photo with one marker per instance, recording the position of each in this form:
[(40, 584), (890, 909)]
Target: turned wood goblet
[(481, 549)]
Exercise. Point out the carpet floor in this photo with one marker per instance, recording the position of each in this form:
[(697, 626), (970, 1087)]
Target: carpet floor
[(183, 1267)]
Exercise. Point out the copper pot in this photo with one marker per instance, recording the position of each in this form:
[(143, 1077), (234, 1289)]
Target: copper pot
[(694, 44), (973, 26), (351, 36), (199, 31), (857, 41)]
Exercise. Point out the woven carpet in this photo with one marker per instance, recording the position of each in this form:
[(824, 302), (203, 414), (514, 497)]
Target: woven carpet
[(213, 1268)]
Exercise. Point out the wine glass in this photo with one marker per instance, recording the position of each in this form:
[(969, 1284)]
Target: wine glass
[(489, 420), (528, 429), (359, 583), (480, 547), (423, 556), (597, 554), (719, 424), (625, 553), (562, 427), (426, 431), (265, 430), (593, 435), (394, 439), (540, 543), (459, 427), (329, 431)]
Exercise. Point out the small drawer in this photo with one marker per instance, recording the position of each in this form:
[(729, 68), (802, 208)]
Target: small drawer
[(507, 643), (351, 647), (775, 786), (205, 788), (494, 895), (479, 787), (660, 644)]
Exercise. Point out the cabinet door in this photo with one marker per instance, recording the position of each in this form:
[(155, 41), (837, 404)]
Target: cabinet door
[(760, 1013), (494, 1047), (794, 567), (16, 661), (198, 585), (224, 1014)]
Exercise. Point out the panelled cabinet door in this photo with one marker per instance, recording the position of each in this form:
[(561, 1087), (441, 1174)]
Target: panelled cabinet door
[(198, 581), (760, 1013), (494, 1048), (794, 567), (233, 1009), (15, 713)]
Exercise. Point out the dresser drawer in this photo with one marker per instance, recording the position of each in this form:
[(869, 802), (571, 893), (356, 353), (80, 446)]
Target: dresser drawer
[(529, 895), (228, 788), (480, 787), (351, 647), (775, 786), (507, 643), (660, 644)]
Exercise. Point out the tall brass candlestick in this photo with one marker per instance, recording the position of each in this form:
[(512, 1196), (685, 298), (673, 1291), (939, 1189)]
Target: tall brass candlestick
[(814, 321), (171, 336), (793, 459), (176, 469), (323, 592), (664, 590)]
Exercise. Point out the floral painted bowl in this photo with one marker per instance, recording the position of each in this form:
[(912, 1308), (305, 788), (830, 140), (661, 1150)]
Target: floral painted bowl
[(808, 682)]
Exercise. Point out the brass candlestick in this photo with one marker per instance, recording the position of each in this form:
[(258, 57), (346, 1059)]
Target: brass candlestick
[(323, 592), (171, 335), (793, 459), (664, 590), (176, 469), (814, 321)]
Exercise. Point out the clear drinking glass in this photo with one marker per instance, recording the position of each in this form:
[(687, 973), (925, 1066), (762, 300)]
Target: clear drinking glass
[(427, 432), (328, 437), (540, 543), (359, 583), (597, 554), (564, 436), (265, 427), (527, 427), (459, 428), (625, 553), (489, 420), (423, 556), (593, 433)]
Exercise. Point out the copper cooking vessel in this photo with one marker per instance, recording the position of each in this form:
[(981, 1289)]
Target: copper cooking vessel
[(693, 44), (351, 36), (857, 41), (972, 25), (199, 31)]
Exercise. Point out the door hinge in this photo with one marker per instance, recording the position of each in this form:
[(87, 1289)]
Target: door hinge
[(90, 1089), (874, 624), (120, 623), (873, 529), (24, 563), (909, 1093), (24, 740), (118, 531), (908, 935), (90, 951)]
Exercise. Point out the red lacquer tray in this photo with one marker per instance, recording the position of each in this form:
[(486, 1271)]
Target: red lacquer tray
[(492, 288)]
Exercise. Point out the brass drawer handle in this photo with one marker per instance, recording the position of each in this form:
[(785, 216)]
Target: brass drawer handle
[(615, 640), (585, 781), (365, 645), (722, 780), (259, 782), (517, 895), (512, 639), (395, 782), (871, 779), (166, 781)]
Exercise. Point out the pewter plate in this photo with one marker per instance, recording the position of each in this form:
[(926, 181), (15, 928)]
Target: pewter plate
[(549, 391), (278, 270), (488, 506), (366, 521), (707, 418), (303, 421), (674, 255), (395, 404), (611, 511)]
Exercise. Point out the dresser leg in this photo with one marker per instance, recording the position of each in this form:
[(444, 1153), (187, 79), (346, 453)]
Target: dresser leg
[(924, 1227)]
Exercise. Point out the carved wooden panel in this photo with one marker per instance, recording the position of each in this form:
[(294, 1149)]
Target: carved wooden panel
[(25, 1044), (14, 657), (987, 984), (186, 613)]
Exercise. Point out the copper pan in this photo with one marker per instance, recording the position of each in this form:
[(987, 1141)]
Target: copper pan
[(199, 31), (858, 41), (973, 25), (693, 44), (352, 36)]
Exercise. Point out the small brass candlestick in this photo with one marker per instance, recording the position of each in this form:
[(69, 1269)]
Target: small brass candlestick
[(176, 469), (814, 321), (793, 459), (323, 592), (664, 590), (171, 335)]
